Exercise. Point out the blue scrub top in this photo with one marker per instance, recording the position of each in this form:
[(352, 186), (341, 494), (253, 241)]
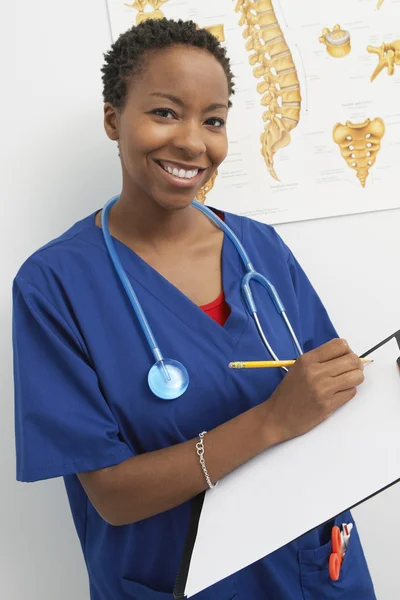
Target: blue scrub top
[(82, 401)]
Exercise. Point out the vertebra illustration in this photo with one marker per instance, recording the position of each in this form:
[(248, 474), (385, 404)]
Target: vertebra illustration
[(201, 195), (140, 6), (280, 84), (389, 56), (337, 41), (359, 144), (217, 31)]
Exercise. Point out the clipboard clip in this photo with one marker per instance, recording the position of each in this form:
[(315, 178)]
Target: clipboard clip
[(395, 335)]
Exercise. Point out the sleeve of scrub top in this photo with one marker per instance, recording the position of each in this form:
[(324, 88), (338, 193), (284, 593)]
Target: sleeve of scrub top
[(63, 424), (315, 324)]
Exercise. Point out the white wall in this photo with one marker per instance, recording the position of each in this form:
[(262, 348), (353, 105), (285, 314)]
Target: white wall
[(57, 166)]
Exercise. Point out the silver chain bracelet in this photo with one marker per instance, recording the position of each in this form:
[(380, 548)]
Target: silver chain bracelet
[(200, 453)]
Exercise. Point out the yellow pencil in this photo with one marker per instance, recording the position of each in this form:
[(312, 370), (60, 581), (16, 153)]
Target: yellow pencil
[(267, 364)]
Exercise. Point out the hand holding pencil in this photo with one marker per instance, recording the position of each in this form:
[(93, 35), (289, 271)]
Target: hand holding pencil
[(318, 383)]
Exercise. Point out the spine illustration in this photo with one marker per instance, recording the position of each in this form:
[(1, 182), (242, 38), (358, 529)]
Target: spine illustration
[(389, 56), (337, 41), (359, 144), (273, 63)]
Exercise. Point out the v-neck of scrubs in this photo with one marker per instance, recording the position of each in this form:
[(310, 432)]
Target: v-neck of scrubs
[(223, 337)]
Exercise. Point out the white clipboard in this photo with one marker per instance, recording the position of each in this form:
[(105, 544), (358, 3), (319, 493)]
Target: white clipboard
[(359, 446)]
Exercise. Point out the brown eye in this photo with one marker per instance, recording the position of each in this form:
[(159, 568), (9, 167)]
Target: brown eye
[(163, 112), (216, 122)]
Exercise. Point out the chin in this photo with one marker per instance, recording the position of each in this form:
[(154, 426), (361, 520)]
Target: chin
[(175, 201)]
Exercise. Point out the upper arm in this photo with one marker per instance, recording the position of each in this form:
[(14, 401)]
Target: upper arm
[(63, 424)]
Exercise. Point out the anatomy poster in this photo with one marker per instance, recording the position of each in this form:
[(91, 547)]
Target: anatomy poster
[(314, 130)]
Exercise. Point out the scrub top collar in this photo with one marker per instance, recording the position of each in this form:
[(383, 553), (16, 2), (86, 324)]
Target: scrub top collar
[(224, 337)]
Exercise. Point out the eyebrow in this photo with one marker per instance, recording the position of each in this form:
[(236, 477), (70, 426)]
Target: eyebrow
[(180, 102)]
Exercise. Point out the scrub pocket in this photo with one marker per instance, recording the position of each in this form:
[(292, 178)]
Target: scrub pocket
[(354, 579), (136, 591)]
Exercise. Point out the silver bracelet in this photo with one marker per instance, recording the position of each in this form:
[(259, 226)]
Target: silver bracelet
[(200, 453)]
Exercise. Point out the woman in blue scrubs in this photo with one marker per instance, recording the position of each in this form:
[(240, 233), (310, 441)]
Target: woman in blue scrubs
[(84, 410)]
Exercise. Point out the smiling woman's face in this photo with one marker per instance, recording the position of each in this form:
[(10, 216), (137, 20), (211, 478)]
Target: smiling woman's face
[(172, 129)]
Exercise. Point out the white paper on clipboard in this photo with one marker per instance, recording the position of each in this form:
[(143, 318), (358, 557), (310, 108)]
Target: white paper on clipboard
[(358, 447)]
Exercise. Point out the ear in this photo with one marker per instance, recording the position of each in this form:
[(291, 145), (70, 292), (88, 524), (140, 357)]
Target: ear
[(111, 121)]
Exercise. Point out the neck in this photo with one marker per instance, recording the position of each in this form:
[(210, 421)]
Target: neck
[(145, 223)]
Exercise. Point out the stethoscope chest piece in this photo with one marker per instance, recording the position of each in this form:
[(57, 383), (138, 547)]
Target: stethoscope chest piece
[(168, 379)]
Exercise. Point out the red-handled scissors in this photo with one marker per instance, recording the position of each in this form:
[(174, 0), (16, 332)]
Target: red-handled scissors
[(336, 557)]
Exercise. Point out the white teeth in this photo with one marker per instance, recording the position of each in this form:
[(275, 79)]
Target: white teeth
[(181, 173)]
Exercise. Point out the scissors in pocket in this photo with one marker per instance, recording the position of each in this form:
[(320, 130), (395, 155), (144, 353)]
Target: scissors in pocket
[(340, 542)]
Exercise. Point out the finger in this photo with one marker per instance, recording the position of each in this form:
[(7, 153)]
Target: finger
[(346, 381), (343, 397), (343, 364), (329, 351)]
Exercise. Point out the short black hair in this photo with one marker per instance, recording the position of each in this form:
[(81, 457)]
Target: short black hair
[(125, 58)]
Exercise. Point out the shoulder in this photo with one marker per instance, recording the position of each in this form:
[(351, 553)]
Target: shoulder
[(260, 237), (59, 254)]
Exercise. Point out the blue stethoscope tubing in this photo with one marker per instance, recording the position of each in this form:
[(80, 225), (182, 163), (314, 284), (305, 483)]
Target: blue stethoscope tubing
[(168, 378)]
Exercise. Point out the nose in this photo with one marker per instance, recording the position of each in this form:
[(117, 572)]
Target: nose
[(189, 137)]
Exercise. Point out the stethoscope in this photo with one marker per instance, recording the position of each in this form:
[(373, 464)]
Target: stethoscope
[(168, 378)]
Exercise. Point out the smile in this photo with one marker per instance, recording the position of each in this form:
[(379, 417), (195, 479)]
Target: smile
[(181, 173), (178, 176)]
